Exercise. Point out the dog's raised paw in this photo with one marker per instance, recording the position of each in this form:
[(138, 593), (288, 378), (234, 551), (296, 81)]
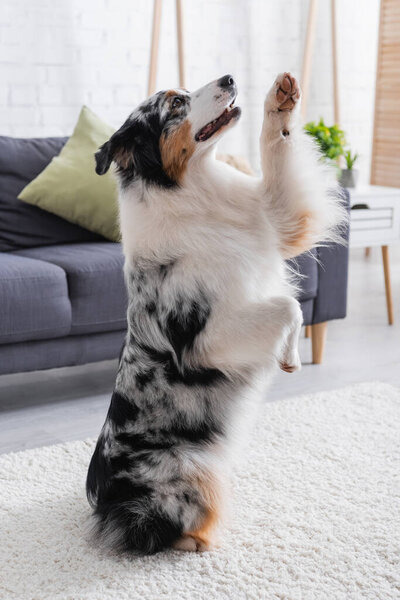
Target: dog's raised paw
[(290, 364), (288, 368), (285, 93)]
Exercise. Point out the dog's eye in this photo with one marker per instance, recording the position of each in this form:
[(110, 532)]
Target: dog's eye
[(177, 102)]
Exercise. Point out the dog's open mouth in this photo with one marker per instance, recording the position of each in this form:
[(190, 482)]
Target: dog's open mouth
[(226, 117)]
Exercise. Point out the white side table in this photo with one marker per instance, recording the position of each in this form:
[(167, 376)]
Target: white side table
[(379, 225)]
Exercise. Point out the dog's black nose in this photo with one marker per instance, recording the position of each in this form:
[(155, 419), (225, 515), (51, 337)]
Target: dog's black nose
[(226, 81)]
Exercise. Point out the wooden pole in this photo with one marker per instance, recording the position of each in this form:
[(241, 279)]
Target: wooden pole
[(155, 39), (307, 57), (181, 51), (336, 106)]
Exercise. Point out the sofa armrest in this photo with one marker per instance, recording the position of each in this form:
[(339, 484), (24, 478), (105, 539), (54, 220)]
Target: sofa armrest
[(331, 300)]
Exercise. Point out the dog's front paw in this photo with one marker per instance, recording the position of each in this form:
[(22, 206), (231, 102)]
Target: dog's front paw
[(284, 94), (290, 362)]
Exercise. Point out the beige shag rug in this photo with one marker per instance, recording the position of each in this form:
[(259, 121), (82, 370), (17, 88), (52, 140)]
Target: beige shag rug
[(317, 515)]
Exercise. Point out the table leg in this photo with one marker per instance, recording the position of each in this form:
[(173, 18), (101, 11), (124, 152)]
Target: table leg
[(388, 287)]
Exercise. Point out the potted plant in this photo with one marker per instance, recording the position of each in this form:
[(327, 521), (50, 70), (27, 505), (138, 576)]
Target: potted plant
[(349, 176), (330, 140)]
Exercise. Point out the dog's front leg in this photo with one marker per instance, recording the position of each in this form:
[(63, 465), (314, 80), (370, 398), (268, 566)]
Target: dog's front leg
[(295, 184), (255, 336), (280, 135), (281, 118), (279, 144)]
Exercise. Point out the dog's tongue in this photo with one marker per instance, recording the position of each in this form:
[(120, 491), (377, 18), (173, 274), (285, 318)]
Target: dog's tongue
[(208, 130)]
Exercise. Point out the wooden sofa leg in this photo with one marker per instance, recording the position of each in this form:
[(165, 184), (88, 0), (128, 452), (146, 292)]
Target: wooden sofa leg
[(318, 338)]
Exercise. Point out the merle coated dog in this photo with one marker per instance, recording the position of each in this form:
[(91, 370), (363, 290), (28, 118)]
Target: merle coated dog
[(212, 308)]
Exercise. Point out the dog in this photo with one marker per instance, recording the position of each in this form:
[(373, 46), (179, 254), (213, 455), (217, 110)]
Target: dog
[(211, 305)]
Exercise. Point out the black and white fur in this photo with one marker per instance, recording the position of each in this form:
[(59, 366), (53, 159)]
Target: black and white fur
[(211, 305)]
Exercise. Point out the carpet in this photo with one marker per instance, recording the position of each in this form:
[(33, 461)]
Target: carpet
[(316, 515)]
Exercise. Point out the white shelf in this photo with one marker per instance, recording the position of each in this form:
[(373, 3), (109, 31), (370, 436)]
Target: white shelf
[(379, 225)]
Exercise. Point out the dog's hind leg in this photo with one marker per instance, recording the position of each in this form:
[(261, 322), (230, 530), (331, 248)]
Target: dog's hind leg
[(202, 536)]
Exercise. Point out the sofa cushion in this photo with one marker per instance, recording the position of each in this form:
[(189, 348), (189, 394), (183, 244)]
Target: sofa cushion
[(23, 225), (60, 352), (34, 300), (96, 284), (70, 187), (307, 268)]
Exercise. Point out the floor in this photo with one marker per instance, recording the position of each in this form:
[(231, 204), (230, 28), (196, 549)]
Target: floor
[(47, 407)]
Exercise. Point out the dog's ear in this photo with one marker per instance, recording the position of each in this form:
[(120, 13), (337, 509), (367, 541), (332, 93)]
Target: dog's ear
[(119, 148), (103, 158)]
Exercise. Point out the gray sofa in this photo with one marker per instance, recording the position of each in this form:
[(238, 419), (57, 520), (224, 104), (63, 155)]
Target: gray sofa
[(62, 294)]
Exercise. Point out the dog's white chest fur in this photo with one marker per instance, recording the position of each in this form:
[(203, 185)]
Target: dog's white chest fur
[(221, 235)]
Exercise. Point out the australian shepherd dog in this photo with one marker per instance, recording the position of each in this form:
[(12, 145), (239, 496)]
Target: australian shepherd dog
[(211, 305)]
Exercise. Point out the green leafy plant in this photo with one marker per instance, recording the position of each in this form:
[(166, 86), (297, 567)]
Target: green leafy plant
[(331, 140), (350, 159)]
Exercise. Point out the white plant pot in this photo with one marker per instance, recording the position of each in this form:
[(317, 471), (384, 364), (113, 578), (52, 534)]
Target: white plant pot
[(348, 178)]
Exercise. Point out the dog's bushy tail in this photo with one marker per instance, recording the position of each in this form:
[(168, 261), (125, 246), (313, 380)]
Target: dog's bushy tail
[(137, 526)]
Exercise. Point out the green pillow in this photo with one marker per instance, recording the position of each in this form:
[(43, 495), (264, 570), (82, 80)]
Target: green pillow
[(69, 186)]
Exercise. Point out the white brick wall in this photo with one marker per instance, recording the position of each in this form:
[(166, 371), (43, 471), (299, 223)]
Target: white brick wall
[(56, 55)]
